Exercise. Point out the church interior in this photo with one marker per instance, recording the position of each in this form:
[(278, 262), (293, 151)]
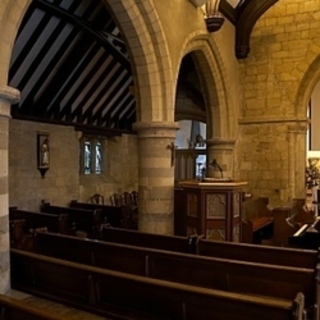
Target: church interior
[(159, 159)]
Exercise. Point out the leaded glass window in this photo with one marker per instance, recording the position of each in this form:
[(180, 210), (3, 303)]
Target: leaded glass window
[(98, 162), (91, 156), (87, 157)]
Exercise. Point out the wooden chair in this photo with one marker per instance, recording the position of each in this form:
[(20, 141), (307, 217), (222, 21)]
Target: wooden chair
[(116, 200), (97, 199), (134, 197)]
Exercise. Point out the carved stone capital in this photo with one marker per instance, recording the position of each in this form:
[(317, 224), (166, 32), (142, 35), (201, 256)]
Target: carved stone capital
[(298, 127), (221, 143), (9, 94), (154, 129)]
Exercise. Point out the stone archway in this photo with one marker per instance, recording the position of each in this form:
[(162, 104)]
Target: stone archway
[(149, 50), (11, 14), (153, 75), (297, 131), (152, 69), (221, 123)]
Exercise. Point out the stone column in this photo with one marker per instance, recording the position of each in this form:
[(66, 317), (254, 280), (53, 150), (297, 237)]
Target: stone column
[(8, 96), (221, 149), (156, 176), (297, 154)]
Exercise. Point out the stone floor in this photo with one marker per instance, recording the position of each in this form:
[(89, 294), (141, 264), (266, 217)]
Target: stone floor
[(54, 308)]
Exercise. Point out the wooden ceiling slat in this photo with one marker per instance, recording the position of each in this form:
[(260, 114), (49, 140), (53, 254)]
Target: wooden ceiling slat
[(100, 96), (119, 88), (78, 111), (87, 84), (89, 56), (111, 116), (70, 60), (29, 44), (98, 35), (52, 65), (116, 116)]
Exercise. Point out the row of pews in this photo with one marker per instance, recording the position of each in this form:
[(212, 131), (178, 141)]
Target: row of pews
[(126, 274), (78, 218)]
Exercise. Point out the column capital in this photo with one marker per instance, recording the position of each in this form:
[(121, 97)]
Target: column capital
[(221, 143), (299, 127), (156, 129), (9, 94)]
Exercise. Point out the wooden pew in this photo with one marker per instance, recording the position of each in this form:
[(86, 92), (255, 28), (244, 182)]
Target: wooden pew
[(257, 253), (14, 309), (228, 250), (214, 273), (115, 216), (157, 241), (88, 221), (128, 296), (34, 220), (257, 220)]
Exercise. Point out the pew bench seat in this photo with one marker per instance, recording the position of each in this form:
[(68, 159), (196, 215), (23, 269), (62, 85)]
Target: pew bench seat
[(261, 222), (15, 309), (257, 220)]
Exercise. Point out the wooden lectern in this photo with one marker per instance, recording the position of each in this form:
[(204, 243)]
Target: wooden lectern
[(212, 209)]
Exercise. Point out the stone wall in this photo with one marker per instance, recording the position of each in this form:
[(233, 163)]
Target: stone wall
[(278, 78), (63, 180)]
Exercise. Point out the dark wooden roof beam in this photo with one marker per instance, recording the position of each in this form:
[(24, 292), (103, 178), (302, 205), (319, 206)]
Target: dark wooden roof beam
[(105, 92), (113, 101), (120, 103), (30, 42), (228, 11), (86, 27), (71, 80), (76, 87), (250, 12), (78, 110)]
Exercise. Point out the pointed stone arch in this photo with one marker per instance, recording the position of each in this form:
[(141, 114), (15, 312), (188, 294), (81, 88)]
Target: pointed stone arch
[(307, 84), (215, 81), (152, 66), (141, 26), (11, 15), (297, 132), (221, 123)]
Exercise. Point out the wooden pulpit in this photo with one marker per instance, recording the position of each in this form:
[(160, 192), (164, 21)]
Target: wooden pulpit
[(211, 209)]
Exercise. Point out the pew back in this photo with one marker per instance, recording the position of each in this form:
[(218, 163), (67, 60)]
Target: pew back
[(109, 214), (215, 273), (228, 250), (144, 239), (111, 293), (88, 221), (257, 253), (34, 220)]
